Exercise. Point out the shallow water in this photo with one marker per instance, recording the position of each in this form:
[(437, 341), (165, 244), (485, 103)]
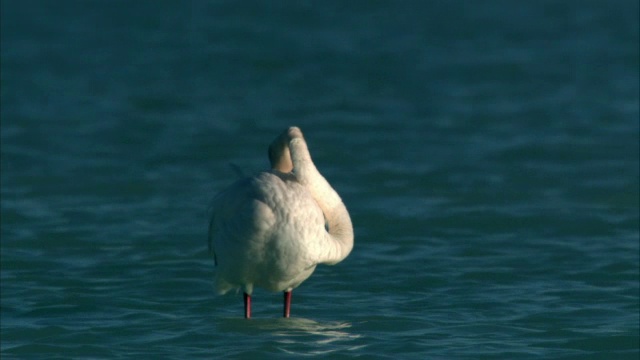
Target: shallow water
[(487, 152)]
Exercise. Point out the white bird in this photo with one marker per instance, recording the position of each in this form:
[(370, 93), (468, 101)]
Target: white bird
[(272, 229)]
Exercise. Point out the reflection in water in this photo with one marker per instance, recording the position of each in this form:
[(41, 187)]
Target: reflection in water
[(316, 338), (300, 336)]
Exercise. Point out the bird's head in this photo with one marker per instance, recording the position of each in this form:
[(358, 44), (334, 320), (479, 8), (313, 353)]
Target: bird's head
[(279, 153)]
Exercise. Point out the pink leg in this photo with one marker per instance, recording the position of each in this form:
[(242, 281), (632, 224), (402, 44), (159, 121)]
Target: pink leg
[(287, 303), (247, 306)]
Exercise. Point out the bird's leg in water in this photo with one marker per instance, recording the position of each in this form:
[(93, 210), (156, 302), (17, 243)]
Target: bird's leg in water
[(287, 303), (247, 306)]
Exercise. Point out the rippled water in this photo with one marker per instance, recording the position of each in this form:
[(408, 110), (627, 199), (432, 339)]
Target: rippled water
[(487, 151)]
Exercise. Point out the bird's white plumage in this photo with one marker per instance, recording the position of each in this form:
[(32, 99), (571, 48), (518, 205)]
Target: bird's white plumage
[(270, 230)]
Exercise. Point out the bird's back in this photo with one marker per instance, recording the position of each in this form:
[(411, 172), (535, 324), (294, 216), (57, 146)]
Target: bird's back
[(266, 231)]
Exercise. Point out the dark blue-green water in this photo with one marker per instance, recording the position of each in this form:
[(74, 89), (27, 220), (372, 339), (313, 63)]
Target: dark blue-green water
[(487, 151)]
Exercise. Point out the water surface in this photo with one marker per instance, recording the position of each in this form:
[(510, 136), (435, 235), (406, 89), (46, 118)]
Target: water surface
[(487, 152)]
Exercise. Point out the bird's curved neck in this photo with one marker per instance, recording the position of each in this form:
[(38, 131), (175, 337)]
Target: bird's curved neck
[(340, 228)]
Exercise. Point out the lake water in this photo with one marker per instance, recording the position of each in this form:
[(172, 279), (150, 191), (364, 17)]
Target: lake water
[(487, 151)]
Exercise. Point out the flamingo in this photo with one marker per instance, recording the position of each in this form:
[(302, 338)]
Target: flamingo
[(272, 229)]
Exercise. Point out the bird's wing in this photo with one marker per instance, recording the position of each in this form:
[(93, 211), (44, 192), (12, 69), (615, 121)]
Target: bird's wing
[(210, 239), (227, 208), (237, 170)]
